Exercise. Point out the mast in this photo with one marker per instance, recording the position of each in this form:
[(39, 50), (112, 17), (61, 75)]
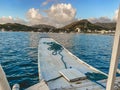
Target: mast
[(114, 57)]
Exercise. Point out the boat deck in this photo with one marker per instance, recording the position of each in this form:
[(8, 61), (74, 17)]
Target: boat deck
[(61, 70)]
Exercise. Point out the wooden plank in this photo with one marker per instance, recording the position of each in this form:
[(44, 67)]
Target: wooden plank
[(114, 57), (48, 63), (72, 74)]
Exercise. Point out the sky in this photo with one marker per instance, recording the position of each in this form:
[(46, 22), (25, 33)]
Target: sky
[(57, 12)]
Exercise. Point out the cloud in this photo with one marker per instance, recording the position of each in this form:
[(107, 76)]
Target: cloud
[(33, 14), (34, 17), (116, 15), (57, 15), (6, 19), (10, 19), (104, 19), (46, 2), (61, 12)]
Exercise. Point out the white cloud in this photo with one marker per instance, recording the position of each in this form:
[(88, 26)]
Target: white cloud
[(61, 13), (34, 17), (10, 19), (46, 2), (57, 15), (33, 14), (116, 15), (104, 19)]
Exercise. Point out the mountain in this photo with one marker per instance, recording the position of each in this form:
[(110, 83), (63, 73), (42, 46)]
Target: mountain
[(16, 27), (84, 25), (109, 26), (20, 27), (44, 28), (77, 26)]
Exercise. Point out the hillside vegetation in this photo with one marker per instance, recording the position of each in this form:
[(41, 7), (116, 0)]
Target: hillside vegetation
[(78, 26), (85, 26), (16, 27)]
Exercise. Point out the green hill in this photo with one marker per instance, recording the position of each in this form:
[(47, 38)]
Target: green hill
[(16, 27), (81, 25), (109, 26), (44, 28), (20, 27), (84, 25)]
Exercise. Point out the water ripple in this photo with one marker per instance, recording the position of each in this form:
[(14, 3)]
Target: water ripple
[(18, 53)]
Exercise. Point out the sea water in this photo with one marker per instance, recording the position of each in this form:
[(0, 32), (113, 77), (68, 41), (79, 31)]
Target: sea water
[(18, 53)]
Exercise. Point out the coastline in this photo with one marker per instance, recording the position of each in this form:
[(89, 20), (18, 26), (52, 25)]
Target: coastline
[(111, 34)]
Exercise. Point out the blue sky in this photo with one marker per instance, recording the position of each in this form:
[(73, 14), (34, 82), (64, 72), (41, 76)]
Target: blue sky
[(95, 8), (84, 8)]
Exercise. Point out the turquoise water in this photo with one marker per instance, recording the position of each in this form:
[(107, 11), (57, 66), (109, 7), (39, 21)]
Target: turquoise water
[(18, 53)]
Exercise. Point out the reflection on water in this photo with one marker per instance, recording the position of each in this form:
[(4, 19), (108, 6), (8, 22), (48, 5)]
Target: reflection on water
[(64, 39), (34, 39), (18, 53)]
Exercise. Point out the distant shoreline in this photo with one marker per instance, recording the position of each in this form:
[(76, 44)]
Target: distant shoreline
[(64, 32), (81, 26)]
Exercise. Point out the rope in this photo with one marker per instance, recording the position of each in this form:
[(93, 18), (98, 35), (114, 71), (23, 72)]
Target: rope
[(96, 77), (56, 49), (63, 60)]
